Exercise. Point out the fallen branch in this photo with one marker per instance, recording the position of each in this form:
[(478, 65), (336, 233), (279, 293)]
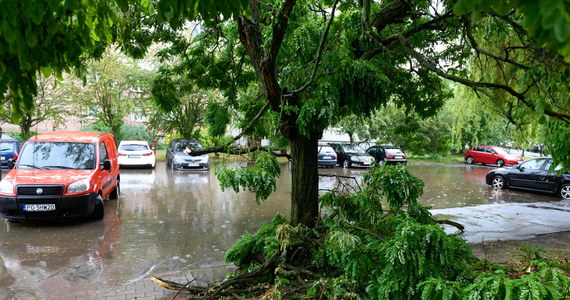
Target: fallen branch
[(220, 290), (452, 223)]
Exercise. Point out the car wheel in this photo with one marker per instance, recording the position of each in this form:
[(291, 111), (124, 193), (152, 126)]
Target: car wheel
[(500, 163), (565, 191), (115, 192), (99, 211), (470, 160), (498, 182), (346, 163)]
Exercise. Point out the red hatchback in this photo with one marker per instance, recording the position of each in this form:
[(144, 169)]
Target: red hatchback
[(492, 155)]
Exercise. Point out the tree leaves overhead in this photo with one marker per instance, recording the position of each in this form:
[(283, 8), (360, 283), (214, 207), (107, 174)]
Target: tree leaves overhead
[(57, 36), (548, 21)]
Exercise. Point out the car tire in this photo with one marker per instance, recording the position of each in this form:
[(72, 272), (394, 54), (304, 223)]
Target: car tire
[(99, 211), (470, 160), (498, 182), (346, 164), (565, 191), (500, 163), (116, 191)]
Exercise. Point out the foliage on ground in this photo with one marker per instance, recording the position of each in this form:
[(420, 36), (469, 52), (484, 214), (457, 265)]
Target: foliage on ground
[(378, 243)]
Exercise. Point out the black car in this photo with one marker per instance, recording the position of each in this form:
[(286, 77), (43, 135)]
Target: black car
[(351, 155), (532, 175), (387, 154), (178, 155)]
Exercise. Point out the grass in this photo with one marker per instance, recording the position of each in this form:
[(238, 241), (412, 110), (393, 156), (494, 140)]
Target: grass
[(453, 158)]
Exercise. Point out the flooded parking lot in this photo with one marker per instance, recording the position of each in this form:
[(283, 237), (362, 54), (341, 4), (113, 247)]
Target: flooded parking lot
[(180, 223)]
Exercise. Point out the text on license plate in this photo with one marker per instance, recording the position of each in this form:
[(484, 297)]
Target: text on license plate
[(134, 156), (39, 207), (193, 164)]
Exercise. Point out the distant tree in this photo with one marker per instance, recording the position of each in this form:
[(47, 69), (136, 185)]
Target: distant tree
[(51, 103), (111, 90)]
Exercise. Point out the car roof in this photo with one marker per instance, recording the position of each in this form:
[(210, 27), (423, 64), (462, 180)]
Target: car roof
[(185, 140), (69, 136), (133, 143)]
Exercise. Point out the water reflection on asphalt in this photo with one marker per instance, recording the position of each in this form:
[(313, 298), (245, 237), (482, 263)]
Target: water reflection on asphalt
[(166, 222)]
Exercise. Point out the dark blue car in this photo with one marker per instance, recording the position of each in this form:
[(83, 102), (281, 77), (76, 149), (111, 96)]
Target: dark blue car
[(7, 151)]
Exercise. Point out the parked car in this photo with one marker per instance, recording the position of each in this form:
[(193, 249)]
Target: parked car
[(387, 154), (351, 155), (9, 151), (492, 155), (136, 154), (178, 155), (61, 175), (326, 157), (532, 175)]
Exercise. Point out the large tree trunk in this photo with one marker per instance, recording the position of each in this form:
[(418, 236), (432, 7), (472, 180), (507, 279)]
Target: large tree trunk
[(304, 179)]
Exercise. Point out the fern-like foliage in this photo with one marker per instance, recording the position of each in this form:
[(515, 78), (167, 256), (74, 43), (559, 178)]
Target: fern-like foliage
[(263, 242), (360, 251), (260, 179), (549, 282), (415, 254)]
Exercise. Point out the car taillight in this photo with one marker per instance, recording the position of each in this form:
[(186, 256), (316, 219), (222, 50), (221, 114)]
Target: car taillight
[(389, 156), (122, 154), (403, 156), (147, 154), (335, 157)]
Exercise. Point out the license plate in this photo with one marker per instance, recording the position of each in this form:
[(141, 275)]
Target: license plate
[(134, 156), (327, 157), (39, 207), (193, 164), (398, 157)]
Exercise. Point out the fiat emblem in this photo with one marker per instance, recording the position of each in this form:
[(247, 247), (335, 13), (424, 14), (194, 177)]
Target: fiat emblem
[(39, 191)]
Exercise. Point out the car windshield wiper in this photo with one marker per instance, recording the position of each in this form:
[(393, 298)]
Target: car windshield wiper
[(29, 166), (59, 167)]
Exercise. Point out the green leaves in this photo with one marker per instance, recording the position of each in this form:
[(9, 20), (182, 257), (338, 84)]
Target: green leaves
[(547, 21), (259, 179)]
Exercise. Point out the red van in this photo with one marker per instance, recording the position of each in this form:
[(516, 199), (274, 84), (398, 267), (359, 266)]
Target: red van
[(61, 175)]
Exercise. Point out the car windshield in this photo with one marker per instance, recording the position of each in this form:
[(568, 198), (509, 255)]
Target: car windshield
[(57, 155), (182, 146), (133, 147), (326, 150), (393, 151), (352, 149), (7, 147)]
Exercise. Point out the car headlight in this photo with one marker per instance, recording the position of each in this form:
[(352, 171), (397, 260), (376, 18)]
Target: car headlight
[(6, 187), (354, 158), (78, 186), (205, 159), (177, 158)]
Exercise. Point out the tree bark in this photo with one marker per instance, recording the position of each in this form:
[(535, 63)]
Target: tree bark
[(304, 179)]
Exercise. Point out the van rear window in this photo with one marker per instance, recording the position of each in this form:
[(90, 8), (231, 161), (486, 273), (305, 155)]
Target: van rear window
[(57, 156)]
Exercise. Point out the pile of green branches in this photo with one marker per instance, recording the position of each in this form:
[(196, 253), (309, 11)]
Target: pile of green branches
[(376, 243)]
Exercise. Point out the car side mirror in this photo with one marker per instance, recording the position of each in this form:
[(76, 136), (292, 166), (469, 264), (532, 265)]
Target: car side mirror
[(106, 165), (521, 168), (11, 163)]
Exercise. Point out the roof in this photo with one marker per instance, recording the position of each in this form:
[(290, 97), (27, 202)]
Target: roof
[(134, 143), (69, 136)]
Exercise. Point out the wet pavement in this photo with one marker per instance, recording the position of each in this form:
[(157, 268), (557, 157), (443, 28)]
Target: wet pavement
[(178, 225)]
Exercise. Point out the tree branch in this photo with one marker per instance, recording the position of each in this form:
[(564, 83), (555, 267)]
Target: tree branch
[(426, 63), (319, 52)]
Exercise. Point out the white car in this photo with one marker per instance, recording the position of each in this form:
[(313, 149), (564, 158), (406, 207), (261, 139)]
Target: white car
[(136, 154)]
